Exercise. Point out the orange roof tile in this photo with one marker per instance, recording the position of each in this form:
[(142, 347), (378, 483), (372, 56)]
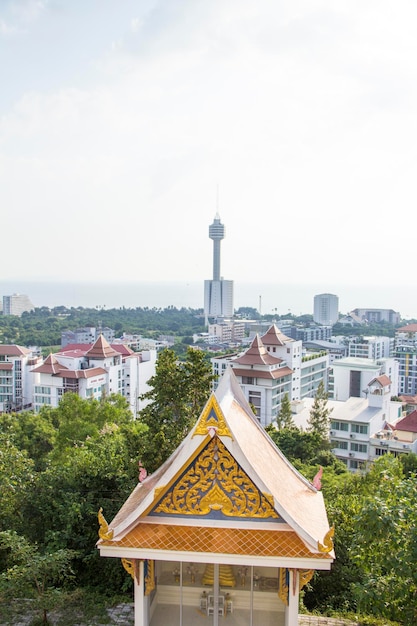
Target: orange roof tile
[(13, 350), (274, 337), (408, 423), (101, 349), (257, 354), (279, 372), (203, 539)]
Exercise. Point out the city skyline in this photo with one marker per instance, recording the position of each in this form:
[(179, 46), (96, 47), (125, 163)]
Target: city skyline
[(125, 126)]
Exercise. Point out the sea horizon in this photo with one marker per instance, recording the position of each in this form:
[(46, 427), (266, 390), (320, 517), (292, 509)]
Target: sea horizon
[(267, 298)]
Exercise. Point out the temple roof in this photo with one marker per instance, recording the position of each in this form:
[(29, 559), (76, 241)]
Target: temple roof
[(257, 354), (228, 475), (274, 337), (101, 349)]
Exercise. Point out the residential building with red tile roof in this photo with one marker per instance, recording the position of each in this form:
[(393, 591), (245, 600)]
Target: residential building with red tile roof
[(271, 367), (91, 370), (16, 363)]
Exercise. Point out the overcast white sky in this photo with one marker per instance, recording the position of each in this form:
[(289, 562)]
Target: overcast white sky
[(119, 120)]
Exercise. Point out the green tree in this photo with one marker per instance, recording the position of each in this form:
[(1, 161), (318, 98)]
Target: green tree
[(33, 573), (177, 394), (385, 541), (285, 418), (16, 477), (298, 446), (31, 432), (76, 419), (319, 418)]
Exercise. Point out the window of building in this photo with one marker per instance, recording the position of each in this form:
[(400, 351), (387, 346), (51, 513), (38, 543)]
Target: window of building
[(247, 380), (340, 426), (342, 445), (359, 447), (362, 429), (255, 400)]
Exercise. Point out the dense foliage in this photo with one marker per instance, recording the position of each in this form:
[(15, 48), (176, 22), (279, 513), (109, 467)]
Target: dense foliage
[(43, 326), (59, 467)]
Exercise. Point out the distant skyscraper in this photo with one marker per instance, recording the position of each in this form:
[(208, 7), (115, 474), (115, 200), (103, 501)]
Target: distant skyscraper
[(218, 293), (16, 304), (326, 309)]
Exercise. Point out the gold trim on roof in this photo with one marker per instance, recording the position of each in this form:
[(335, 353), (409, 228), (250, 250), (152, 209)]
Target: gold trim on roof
[(327, 545), (215, 482), (103, 531), (212, 421)]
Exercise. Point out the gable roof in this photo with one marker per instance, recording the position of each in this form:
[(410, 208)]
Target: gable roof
[(50, 366), (382, 381), (408, 423), (226, 479), (14, 350)]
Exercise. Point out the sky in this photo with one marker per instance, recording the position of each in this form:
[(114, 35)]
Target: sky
[(125, 126)]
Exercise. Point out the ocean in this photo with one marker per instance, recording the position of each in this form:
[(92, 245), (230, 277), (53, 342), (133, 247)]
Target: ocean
[(268, 298)]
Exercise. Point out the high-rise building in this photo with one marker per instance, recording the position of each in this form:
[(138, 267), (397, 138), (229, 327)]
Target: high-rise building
[(16, 304), (218, 293), (326, 309)]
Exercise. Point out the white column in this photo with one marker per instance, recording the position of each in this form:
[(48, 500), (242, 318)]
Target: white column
[(140, 600), (291, 611)]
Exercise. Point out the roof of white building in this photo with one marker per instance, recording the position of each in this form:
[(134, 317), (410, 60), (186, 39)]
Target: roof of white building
[(257, 354), (13, 350)]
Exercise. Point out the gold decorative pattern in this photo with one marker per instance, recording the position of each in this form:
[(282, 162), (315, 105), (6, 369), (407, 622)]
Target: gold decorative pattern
[(327, 545), (103, 531), (128, 564), (149, 576), (215, 482), (212, 418), (226, 576), (305, 576), (241, 541), (283, 588)]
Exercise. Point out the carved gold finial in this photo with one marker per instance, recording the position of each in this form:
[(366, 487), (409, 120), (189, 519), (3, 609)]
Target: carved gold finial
[(327, 545), (103, 531)]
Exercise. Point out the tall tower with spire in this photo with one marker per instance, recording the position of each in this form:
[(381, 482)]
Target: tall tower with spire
[(218, 293)]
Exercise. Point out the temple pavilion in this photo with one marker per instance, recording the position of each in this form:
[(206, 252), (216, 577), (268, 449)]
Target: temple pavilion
[(225, 531)]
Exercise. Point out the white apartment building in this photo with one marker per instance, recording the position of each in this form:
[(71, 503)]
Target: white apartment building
[(273, 366), (355, 421), (16, 304), (356, 424), (406, 355), (16, 363), (377, 315), (326, 309), (349, 377), (371, 347), (88, 334), (227, 331), (90, 371)]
